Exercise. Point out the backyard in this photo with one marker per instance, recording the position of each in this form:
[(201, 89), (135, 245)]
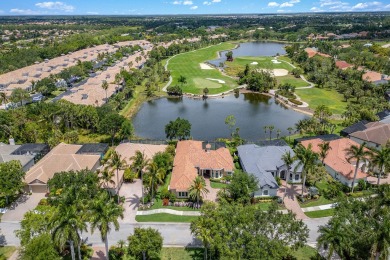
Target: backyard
[(198, 75)]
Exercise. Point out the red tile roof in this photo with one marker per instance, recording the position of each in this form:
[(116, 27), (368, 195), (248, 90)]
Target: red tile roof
[(343, 64), (190, 156), (311, 53), (378, 133), (336, 158)]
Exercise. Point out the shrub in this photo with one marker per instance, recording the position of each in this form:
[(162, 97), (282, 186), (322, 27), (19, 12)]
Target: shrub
[(129, 175), (117, 253), (43, 202), (175, 91), (165, 202), (278, 181), (237, 165), (294, 101), (165, 194), (172, 197), (146, 199)]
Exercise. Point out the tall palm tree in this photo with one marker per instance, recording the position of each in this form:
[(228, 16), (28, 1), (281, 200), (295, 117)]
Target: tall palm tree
[(104, 212), (66, 224), (324, 150), (265, 131), (117, 163), (106, 178), (155, 174), (381, 159), (307, 160), (271, 128), (139, 163), (198, 189), (288, 160), (3, 98), (358, 153), (105, 87), (333, 237)]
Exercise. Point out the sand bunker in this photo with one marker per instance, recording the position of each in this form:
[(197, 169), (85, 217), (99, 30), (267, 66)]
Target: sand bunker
[(254, 63), (205, 66), (218, 80), (275, 62), (277, 72)]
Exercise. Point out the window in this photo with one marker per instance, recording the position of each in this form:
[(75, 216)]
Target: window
[(265, 192), (296, 177), (183, 194)]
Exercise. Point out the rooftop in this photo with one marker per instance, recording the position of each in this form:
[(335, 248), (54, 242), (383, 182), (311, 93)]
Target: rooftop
[(376, 132)]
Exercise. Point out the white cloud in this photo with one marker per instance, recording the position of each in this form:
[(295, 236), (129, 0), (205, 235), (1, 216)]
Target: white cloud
[(177, 3), (188, 2), (366, 5), (194, 7), (24, 11), (92, 13), (207, 3), (295, 1), (286, 4), (55, 6), (273, 4), (316, 9), (360, 6), (217, 1), (387, 7)]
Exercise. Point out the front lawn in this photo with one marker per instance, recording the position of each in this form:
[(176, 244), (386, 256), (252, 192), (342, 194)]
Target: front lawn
[(180, 253), (320, 213), (163, 217), (305, 253), (321, 201), (6, 252), (316, 96), (217, 185)]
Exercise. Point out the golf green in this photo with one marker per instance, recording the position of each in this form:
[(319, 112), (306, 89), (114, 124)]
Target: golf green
[(188, 65)]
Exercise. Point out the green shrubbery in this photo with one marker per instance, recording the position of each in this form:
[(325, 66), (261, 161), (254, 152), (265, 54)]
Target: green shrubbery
[(295, 102)]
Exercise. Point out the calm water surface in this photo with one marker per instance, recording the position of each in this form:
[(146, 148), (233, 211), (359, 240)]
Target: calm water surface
[(252, 112), (253, 49)]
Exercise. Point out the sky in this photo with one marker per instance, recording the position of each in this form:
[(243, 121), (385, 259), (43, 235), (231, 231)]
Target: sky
[(150, 7)]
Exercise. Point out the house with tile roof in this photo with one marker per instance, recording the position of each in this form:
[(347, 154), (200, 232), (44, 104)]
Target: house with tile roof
[(336, 163), (266, 164), (376, 135), (7, 155), (343, 65), (63, 157), (194, 158)]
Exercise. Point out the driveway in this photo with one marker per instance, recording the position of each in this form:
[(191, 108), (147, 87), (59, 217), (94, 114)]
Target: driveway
[(212, 195), (132, 193), (24, 204)]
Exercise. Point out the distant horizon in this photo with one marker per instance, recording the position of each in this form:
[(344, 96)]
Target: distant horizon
[(186, 7)]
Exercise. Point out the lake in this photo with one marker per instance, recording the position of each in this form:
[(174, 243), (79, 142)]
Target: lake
[(252, 111), (252, 49)]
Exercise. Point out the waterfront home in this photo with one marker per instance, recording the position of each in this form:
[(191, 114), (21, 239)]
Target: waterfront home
[(376, 135)]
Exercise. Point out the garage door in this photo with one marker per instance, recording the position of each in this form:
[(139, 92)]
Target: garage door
[(38, 188)]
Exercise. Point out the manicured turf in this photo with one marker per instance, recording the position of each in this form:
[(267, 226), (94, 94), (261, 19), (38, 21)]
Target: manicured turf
[(163, 217), (187, 65), (6, 251), (320, 213), (217, 185), (239, 63), (180, 253), (321, 201), (316, 96), (305, 253)]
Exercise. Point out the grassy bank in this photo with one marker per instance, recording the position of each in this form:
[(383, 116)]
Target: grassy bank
[(6, 251), (320, 213), (188, 65)]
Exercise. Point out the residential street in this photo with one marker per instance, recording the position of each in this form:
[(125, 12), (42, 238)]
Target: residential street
[(174, 234)]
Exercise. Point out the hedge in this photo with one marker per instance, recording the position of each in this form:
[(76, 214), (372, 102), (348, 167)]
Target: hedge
[(294, 101)]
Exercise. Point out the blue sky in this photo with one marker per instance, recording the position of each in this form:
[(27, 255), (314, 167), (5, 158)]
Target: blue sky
[(140, 7)]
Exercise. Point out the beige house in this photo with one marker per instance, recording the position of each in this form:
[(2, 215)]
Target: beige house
[(64, 157)]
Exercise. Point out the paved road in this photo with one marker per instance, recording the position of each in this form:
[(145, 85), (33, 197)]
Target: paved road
[(174, 234)]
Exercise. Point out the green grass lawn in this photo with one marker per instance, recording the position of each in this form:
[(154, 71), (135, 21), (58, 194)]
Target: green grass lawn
[(163, 217), (187, 65), (6, 251), (320, 213), (217, 185), (321, 201), (180, 253), (296, 82), (305, 253), (316, 96), (264, 205)]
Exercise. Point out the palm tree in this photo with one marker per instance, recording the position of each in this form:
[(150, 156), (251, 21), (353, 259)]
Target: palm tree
[(117, 163), (139, 163), (271, 128), (307, 160), (3, 98), (278, 133), (288, 160), (324, 149), (105, 87), (333, 237), (198, 189), (155, 175), (66, 224), (182, 80), (265, 131), (358, 153), (106, 178), (103, 213), (290, 129), (381, 159)]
